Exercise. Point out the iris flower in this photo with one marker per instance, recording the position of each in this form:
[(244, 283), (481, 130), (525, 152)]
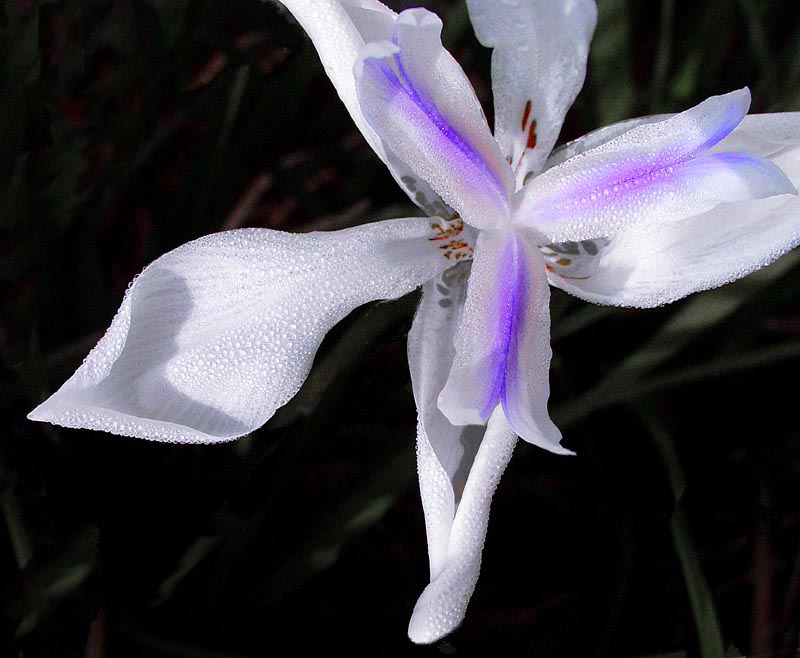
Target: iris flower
[(214, 336)]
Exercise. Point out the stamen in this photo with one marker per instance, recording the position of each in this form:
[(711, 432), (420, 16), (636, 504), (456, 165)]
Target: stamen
[(530, 142), (531, 136), (455, 248), (525, 115)]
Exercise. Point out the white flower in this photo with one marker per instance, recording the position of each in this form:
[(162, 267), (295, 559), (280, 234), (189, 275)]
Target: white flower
[(213, 337)]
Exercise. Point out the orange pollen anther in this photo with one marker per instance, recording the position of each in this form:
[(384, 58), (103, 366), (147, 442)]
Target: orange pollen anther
[(531, 135), (454, 248), (525, 115)]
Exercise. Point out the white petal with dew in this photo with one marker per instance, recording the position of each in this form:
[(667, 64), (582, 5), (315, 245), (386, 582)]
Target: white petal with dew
[(538, 68), (444, 451), (502, 346), (443, 603), (214, 336), (656, 264), (421, 104), (527, 378), (597, 137), (472, 388), (650, 173), (772, 136), (339, 29)]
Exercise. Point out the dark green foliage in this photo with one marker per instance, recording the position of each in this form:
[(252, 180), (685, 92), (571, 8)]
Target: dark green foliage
[(128, 127)]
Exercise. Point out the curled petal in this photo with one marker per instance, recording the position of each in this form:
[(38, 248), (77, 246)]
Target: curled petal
[(443, 603), (503, 342), (444, 451), (651, 173), (438, 500), (421, 104), (538, 68), (654, 264), (214, 336)]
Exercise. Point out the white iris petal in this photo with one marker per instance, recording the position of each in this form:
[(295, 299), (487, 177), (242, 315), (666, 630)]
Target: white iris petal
[(213, 337)]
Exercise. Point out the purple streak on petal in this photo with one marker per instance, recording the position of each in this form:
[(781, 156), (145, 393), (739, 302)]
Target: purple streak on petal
[(732, 118), (512, 277), (518, 300), (761, 172), (619, 180), (402, 83), (763, 179), (625, 168)]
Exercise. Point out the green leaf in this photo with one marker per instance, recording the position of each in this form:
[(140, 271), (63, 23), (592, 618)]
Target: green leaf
[(17, 529), (49, 581), (21, 63), (345, 521), (701, 600), (661, 66), (716, 367), (578, 319), (612, 85), (148, 643), (760, 43), (698, 315)]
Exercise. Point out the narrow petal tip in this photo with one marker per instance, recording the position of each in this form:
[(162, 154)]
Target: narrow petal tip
[(434, 617), (419, 17), (40, 413), (744, 97), (561, 450), (534, 436)]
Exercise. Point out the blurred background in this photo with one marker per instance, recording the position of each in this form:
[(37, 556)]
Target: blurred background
[(128, 127)]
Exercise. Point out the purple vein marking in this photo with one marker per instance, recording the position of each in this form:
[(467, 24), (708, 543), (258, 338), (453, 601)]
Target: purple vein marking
[(400, 81), (645, 169), (513, 280)]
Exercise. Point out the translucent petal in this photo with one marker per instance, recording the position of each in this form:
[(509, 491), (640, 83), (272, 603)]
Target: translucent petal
[(651, 173), (772, 136), (214, 336), (538, 68), (473, 387), (444, 451), (503, 342), (597, 137), (443, 603), (526, 387), (654, 264), (421, 104)]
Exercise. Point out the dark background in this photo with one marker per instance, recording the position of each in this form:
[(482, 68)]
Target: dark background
[(128, 127)]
